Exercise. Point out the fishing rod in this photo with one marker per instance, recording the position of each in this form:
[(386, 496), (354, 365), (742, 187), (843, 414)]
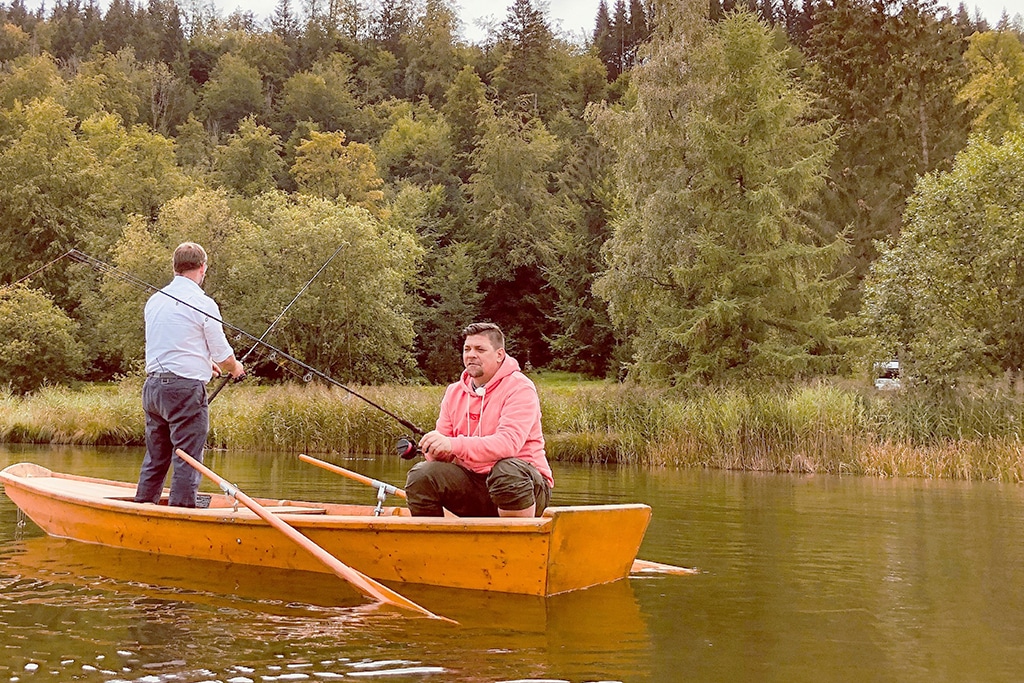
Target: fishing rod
[(278, 318), (104, 267)]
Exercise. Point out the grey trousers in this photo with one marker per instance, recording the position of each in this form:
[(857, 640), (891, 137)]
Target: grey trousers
[(512, 484), (177, 416)]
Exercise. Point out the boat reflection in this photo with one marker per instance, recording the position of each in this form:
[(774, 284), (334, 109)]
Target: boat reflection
[(582, 614)]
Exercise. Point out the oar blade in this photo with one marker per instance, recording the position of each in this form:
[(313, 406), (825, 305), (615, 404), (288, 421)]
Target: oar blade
[(367, 586)]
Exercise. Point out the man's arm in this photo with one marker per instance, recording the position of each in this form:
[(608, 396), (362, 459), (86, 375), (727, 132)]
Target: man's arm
[(437, 444), (230, 365)]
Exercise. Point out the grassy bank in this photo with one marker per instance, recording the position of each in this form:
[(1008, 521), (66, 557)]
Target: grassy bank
[(825, 427)]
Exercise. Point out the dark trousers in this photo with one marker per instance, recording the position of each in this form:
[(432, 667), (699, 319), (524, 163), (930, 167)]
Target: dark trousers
[(177, 416), (513, 484)]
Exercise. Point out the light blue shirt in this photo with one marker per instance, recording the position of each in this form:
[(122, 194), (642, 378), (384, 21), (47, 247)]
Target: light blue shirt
[(181, 339)]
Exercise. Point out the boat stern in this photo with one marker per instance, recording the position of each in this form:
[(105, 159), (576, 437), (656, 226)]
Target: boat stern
[(593, 544)]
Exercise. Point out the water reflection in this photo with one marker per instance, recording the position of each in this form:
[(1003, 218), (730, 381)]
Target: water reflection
[(95, 613), (804, 579)]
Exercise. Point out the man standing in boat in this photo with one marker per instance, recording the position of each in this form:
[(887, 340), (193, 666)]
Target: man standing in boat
[(185, 348), (486, 457)]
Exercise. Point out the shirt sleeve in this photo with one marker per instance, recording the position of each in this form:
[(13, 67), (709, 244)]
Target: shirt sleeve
[(216, 341)]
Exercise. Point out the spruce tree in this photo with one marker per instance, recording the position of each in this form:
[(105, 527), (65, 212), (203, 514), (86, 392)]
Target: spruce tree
[(713, 272)]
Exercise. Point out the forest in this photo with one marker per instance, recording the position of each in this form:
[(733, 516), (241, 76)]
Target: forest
[(695, 195)]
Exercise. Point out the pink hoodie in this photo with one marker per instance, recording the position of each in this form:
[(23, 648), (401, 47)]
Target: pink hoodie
[(503, 423)]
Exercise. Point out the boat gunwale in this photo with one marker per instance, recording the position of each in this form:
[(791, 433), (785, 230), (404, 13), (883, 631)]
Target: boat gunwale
[(327, 520)]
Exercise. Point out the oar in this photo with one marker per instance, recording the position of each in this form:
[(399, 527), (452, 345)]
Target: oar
[(388, 488), (639, 566), (648, 567), (361, 582)]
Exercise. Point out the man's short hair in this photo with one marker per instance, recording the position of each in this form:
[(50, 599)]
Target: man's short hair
[(188, 256), (490, 330)]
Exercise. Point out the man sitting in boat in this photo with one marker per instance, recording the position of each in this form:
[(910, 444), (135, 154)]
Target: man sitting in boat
[(486, 457)]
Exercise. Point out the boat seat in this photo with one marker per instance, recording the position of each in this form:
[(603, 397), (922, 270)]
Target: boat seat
[(294, 510)]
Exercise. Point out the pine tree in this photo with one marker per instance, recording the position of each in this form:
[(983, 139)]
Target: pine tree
[(620, 31), (639, 32), (604, 41), (528, 75), (889, 72)]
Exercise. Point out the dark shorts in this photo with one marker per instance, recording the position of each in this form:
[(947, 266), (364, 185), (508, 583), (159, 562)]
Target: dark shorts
[(513, 484)]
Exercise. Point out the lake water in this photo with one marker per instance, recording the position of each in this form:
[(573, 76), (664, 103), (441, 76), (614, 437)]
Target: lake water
[(803, 578)]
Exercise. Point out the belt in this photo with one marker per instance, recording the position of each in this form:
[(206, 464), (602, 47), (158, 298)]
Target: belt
[(164, 375)]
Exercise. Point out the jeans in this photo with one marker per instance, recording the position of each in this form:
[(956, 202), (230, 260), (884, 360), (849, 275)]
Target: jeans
[(512, 484), (177, 416)]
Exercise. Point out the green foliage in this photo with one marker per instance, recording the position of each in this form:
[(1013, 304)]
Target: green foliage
[(947, 294), (583, 339), (889, 72), (91, 103), (513, 210), (995, 90), (250, 161), (529, 74), (29, 78), (323, 95), (447, 293), (417, 148), (431, 50), (328, 168), (712, 270), (462, 110), (117, 84), (354, 320), (137, 167), (234, 91), (38, 345), (14, 42), (47, 177)]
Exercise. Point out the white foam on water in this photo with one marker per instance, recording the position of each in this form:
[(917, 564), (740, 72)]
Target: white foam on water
[(406, 671), (379, 663)]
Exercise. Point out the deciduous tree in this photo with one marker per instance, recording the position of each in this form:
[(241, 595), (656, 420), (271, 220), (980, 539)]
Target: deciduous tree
[(947, 295), (250, 162), (328, 168), (39, 345), (995, 90)]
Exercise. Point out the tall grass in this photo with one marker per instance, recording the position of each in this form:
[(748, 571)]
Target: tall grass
[(828, 427)]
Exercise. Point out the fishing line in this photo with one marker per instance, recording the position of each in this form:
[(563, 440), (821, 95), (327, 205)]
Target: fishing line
[(38, 270), (104, 267), (278, 318)]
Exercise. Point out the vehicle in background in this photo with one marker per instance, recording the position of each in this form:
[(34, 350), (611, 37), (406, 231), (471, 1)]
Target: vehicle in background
[(887, 375)]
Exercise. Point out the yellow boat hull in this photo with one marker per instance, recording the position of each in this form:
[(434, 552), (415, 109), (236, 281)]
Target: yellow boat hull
[(566, 549)]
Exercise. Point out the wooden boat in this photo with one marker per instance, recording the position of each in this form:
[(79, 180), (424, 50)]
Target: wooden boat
[(566, 549)]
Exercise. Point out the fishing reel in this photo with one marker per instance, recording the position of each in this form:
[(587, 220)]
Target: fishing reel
[(408, 448)]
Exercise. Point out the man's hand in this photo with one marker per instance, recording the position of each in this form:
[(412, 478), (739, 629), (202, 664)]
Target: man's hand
[(436, 445)]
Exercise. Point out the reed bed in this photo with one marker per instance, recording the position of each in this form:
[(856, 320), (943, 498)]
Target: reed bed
[(826, 427)]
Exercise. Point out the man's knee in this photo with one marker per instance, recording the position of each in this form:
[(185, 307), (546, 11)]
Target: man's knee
[(515, 484), (423, 488)]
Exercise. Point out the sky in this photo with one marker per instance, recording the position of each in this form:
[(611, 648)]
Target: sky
[(572, 17)]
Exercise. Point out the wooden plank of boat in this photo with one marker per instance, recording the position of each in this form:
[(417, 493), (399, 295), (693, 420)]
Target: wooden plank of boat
[(567, 549), (638, 566)]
